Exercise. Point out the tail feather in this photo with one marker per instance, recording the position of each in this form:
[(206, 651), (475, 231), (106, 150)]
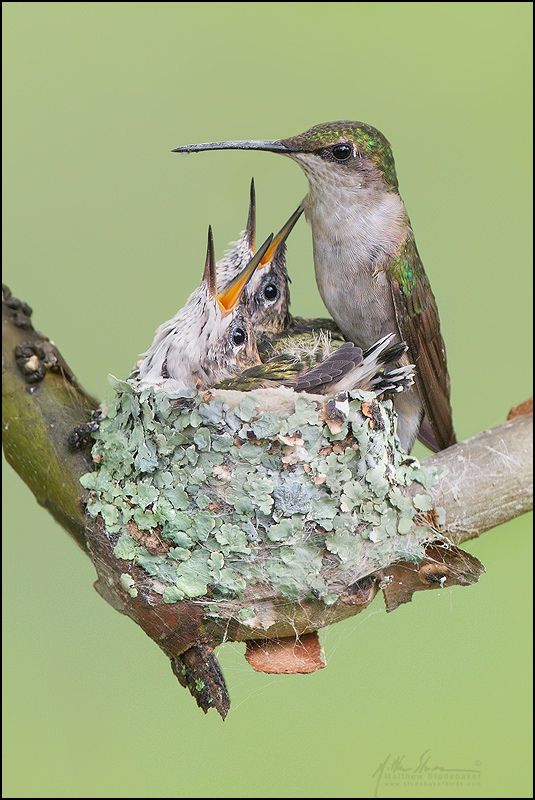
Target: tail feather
[(394, 380), (386, 355), (349, 368), (371, 373)]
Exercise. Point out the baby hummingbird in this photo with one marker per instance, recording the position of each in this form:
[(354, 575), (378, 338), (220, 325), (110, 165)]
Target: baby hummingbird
[(266, 295), (210, 339), (368, 268), (343, 368)]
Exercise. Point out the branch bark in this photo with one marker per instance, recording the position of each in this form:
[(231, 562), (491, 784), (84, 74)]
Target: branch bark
[(41, 404), (488, 481)]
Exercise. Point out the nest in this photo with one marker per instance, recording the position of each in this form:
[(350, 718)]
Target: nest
[(255, 506)]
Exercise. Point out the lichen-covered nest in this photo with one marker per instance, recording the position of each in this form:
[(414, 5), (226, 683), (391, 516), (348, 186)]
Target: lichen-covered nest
[(224, 497)]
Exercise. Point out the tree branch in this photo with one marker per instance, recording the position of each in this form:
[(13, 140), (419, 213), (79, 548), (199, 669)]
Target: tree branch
[(38, 416), (488, 481)]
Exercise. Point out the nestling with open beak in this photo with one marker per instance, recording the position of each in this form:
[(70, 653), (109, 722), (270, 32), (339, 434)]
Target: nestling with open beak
[(368, 269), (210, 339), (267, 297)]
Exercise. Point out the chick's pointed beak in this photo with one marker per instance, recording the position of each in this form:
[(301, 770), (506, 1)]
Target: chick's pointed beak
[(209, 274), (250, 229), (281, 237), (271, 145), (230, 296)]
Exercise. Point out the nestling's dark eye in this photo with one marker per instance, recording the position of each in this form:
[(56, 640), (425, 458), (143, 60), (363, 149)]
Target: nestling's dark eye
[(270, 291), (238, 337), (342, 152)]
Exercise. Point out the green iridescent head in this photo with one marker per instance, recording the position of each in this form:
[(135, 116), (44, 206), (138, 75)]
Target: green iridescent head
[(346, 147)]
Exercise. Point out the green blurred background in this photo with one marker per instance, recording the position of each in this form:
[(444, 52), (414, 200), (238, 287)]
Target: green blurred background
[(105, 235)]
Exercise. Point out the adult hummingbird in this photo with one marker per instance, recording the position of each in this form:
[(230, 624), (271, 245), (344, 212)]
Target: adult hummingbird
[(368, 269)]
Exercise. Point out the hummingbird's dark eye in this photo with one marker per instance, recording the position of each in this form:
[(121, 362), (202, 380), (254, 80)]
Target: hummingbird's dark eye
[(238, 337), (270, 291), (342, 152)]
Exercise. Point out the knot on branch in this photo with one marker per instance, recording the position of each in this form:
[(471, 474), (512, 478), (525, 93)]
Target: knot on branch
[(81, 437), (37, 355), (35, 358), (19, 311), (521, 409)]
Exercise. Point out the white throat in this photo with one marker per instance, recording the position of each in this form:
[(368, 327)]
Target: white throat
[(356, 230), (370, 221)]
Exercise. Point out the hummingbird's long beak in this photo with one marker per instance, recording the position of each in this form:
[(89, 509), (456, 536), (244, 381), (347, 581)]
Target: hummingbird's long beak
[(271, 145), (281, 237), (230, 296)]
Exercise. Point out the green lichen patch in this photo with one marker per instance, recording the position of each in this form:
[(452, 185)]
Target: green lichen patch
[(207, 500)]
